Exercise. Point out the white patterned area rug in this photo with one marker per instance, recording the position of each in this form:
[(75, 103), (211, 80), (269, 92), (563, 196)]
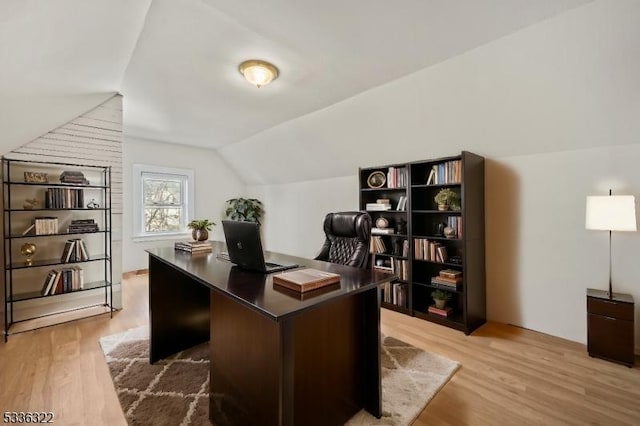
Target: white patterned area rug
[(175, 391)]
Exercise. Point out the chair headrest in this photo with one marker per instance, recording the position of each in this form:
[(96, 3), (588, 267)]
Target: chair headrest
[(348, 224)]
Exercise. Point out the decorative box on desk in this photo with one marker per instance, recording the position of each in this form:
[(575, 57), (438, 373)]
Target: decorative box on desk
[(610, 326)]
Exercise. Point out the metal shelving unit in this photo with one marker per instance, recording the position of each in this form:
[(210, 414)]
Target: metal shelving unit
[(22, 279)]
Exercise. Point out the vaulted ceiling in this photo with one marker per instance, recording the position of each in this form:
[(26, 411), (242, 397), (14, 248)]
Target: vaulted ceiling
[(176, 62)]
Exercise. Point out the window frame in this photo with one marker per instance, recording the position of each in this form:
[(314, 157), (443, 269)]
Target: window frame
[(188, 201)]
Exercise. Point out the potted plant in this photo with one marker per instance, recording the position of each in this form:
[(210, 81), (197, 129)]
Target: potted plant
[(244, 209), (441, 298), (447, 198), (200, 229)]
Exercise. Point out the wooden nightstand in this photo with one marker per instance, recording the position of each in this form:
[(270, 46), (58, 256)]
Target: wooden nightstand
[(610, 326)]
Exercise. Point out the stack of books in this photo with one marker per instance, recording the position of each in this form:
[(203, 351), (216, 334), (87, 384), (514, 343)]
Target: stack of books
[(380, 205), (303, 280), (46, 225), (82, 226), (194, 247), (449, 278), (444, 312), (75, 178)]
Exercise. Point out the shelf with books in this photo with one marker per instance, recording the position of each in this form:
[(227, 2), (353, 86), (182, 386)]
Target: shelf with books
[(392, 255), (52, 262), (58, 185), (20, 297), (438, 287), (59, 234), (46, 201), (400, 188), (51, 209), (448, 212)]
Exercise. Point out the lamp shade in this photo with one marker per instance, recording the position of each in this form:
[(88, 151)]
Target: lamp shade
[(611, 212)]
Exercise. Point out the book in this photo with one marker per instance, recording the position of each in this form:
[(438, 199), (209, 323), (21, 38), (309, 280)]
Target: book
[(48, 282), (455, 280), (307, 279), (307, 294), (26, 231), (445, 284), (67, 251), (432, 176), (450, 273), (194, 247), (378, 207), (382, 231), (447, 311)]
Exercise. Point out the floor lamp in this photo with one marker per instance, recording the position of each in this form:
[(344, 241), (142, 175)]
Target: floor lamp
[(611, 213)]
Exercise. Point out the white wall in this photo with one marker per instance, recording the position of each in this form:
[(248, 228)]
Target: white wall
[(555, 110), (540, 258), (215, 182), (294, 213)]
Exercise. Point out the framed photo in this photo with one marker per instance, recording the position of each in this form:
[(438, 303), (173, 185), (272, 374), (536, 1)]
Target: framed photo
[(36, 177)]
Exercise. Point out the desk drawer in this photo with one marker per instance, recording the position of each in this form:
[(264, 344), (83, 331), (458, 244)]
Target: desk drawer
[(610, 308)]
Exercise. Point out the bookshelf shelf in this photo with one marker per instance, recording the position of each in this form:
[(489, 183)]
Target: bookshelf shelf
[(89, 266), (59, 234), (20, 297), (439, 287), (384, 189), (464, 174), (54, 262)]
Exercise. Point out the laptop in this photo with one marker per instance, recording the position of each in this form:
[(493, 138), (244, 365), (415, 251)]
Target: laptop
[(245, 248)]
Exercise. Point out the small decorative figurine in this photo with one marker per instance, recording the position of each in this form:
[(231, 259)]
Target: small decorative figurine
[(30, 203), (92, 204), (28, 250)]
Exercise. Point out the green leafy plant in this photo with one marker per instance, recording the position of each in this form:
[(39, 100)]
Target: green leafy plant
[(245, 209), (441, 295), (202, 225), (448, 197)]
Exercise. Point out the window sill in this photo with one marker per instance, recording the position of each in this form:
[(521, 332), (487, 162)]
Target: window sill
[(168, 236)]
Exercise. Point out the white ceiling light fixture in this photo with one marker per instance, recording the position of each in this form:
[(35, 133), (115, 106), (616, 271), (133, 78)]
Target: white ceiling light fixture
[(258, 72)]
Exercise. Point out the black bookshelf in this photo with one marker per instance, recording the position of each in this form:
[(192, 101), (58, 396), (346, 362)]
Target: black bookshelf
[(464, 174)]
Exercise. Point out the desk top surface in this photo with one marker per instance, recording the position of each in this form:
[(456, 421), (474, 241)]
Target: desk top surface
[(256, 290)]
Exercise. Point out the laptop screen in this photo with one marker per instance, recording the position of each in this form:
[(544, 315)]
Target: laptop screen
[(243, 244)]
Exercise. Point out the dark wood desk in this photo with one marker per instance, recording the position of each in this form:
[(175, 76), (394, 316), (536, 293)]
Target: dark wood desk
[(275, 359)]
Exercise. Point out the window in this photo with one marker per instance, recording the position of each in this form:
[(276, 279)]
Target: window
[(163, 199)]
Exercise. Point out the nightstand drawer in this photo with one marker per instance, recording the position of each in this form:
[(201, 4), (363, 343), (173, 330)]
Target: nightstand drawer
[(610, 308), (610, 338)]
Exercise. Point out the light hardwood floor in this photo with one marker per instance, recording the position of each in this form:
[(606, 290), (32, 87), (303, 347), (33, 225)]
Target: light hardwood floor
[(509, 376)]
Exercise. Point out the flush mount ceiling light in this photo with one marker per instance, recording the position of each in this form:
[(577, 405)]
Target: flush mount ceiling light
[(258, 72)]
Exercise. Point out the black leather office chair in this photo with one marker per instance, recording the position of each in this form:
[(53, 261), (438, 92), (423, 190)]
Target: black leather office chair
[(348, 235)]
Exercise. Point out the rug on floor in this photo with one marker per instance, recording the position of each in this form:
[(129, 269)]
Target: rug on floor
[(175, 391)]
